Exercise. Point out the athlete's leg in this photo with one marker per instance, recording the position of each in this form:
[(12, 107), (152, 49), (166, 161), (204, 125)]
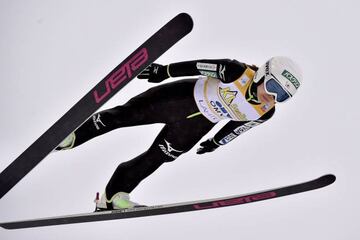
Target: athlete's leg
[(162, 104), (174, 140)]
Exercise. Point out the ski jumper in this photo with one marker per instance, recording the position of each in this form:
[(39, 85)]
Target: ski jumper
[(189, 108)]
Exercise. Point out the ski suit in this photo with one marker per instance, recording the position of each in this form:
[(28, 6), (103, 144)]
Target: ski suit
[(189, 108)]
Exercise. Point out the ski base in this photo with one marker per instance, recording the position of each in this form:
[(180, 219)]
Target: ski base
[(175, 208)]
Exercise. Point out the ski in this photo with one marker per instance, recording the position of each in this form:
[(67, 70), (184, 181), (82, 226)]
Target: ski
[(121, 75), (175, 208)]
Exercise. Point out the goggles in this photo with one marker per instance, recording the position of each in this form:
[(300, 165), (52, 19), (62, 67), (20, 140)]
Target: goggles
[(274, 88)]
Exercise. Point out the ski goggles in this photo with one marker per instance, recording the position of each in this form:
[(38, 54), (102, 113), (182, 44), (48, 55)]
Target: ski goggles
[(274, 88)]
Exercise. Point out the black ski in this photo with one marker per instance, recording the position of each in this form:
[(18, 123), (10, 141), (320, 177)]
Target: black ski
[(136, 62), (175, 208)]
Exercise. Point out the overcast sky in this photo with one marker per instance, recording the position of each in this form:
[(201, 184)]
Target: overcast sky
[(53, 52)]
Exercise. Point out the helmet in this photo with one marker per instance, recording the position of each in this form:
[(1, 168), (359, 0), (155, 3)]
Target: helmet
[(282, 77)]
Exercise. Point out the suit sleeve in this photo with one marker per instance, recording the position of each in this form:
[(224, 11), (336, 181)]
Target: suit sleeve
[(233, 129), (226, 70)]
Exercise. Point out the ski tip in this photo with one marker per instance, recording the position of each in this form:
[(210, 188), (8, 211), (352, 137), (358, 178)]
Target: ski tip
[(186, 19), (327, 179)]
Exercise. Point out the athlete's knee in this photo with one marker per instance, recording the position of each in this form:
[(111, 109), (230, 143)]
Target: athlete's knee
[(110, 118), (166, 151)]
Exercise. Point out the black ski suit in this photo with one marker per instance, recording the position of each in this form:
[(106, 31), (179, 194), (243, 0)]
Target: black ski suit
[(172, 104)]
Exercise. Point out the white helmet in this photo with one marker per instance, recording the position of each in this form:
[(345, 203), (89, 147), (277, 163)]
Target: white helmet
[(282, 77)]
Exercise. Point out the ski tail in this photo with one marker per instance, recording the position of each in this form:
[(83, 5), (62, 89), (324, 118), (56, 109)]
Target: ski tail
[(127, 70)]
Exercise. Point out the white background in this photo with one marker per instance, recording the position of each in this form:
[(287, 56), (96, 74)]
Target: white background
[(53, 52)]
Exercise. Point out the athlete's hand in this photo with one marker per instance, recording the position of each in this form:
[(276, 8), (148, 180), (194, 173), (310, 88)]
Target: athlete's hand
[(207, 146), (154, 73)]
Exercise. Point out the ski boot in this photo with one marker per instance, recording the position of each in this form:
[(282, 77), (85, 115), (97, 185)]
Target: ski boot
[(120, 200), (67, 143)]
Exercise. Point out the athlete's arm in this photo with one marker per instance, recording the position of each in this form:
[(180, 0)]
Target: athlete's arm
[(226, 70), (230, 131)]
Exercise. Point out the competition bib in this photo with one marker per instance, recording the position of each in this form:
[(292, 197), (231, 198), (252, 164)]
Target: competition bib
[(217, 100)]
